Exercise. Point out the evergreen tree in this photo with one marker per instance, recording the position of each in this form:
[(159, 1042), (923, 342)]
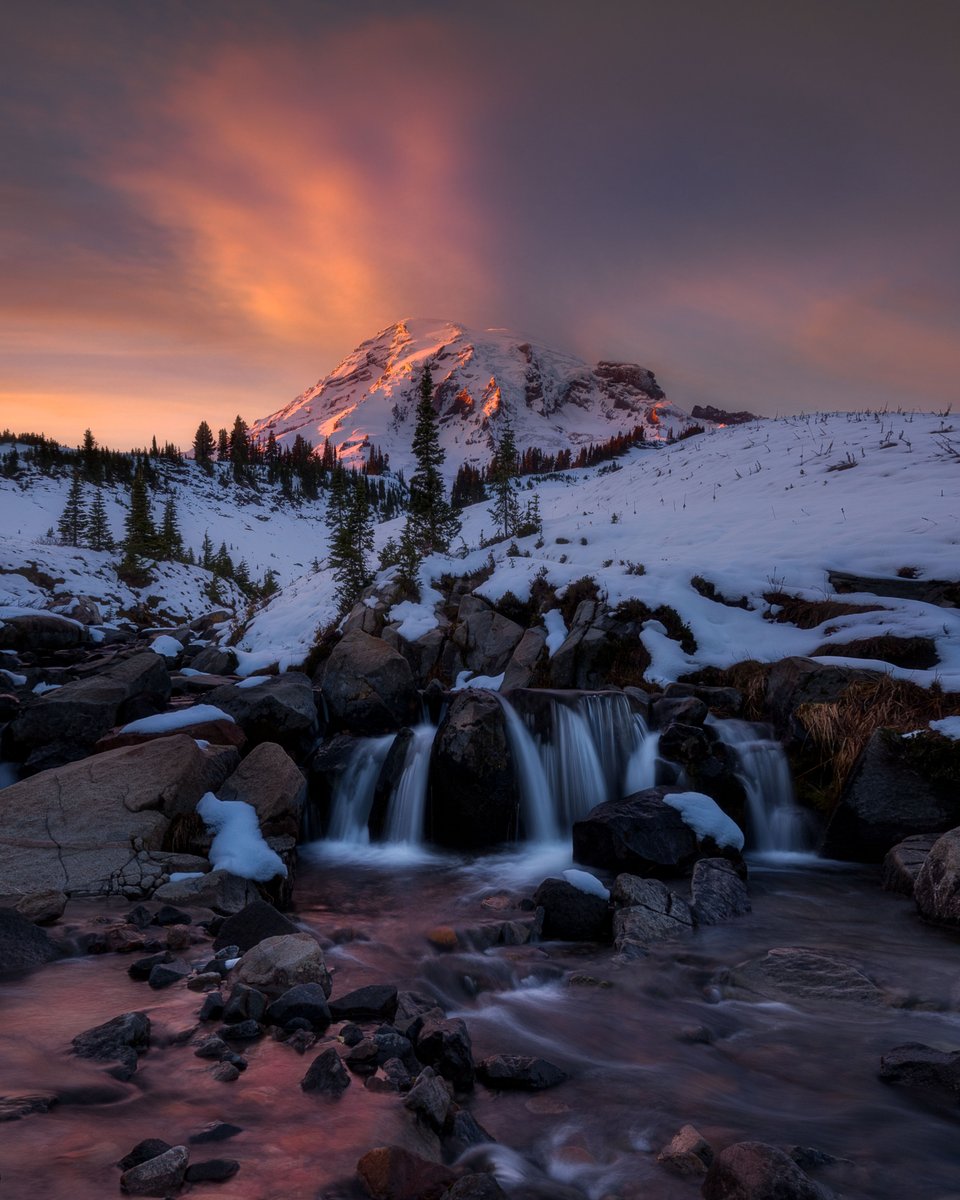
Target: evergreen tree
[(139, 533), (239, 447), (338, 500), (170, 542), (351, 544), (431, 522), (92, 466), (206, 551), (99, 534), (505, 510), (203, 446), (222, 562), (223, 446), (72, 525)]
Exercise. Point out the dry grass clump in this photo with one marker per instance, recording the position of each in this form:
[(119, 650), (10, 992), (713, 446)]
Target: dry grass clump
[(808, 614), (839, 729)]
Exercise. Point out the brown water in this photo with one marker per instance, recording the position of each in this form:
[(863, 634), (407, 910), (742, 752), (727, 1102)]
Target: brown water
[(774, 1073)]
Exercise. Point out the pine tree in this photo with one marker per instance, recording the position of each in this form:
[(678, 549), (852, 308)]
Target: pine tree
[(203, 446), (140, 535), (72, 525), (222, 562), (239, 447), (505, 510), (223, 446), (170, 542), (92, 466), (431, 522), (351, 544), (99, 534)]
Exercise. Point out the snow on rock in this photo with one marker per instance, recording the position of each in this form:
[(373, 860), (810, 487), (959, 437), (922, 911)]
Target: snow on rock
[(181, 718), (706, 818), (556, 630), (166, 646), (238, 845), (466, 679), (13, 678), (583, 881), (253, 681), (415, 619), (948, 727)]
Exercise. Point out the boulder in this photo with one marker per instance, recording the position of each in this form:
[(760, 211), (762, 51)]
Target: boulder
[(282, 709), (61, 726), (519, 1072), (756, 1171), (251, 924), (897, 787), (687, 710), (522, 667), (368, 686), (639, 834), (270, 781), (570, 914), (42, 908), (653, 913), (374, 1002), (217, 733), (326, 1075), (74, 829), (212, 1170), (160, 1176), (474, 802), (932, 1074), (42, 631), (687, 1153), (212, 660), (220, 891), (485, 638), (22, 945), (143, 1152), (796, 681), (725, 701), (392, 1173), (902, 863), (937, 890), (277, 964), (444, 1044), (305, 1002), (793, 974), (120, 1040), (717, 893), (430, 1098)]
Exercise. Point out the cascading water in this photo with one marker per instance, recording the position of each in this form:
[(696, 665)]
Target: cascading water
[(777, 824), (574, 770), (353, 795), (616, 735), (404, 821), (539, 814), (641, 771)]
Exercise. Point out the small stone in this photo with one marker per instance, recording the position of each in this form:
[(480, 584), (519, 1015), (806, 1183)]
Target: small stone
[(350, 1034), (326, 1075), (157, 1176), (244, 1004), (363, 1058), (213, 1170), (165, 974), (217, 1131), (430, 1098), (204, 982), (212, 1007), (443, 937), (225, 1072), (392, 1173), (687, 1153), (168, 915), (243, 1031), (140, 970), (143, 1152), (375, 1002), (519, 1072)]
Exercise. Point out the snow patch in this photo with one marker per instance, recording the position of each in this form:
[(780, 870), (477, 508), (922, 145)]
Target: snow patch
[(556, 630), (492, 683), (706, 818), (583, 881), (166, 646), (415, 619), (252, 681), (181, 718), (238, 845), (948, 727)]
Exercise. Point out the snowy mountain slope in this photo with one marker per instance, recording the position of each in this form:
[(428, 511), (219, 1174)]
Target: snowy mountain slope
[(753, 509), (258, 527), (555, 401)]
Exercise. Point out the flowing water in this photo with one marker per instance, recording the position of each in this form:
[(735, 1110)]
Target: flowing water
[(409, 800), (354, 792), (785, 1074)]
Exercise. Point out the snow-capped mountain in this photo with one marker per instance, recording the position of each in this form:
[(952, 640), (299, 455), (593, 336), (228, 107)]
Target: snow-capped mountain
[(555, 401)]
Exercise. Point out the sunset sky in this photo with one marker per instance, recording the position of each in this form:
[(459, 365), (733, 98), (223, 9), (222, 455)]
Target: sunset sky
[(205, 205)]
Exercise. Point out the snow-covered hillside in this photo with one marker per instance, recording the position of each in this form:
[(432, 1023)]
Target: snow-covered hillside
[(753, 509), (555, 401)]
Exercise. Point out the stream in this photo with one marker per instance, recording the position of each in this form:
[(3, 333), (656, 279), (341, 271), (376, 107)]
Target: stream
[(652, 1051)]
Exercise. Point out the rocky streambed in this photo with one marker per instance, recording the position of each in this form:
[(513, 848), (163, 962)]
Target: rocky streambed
[(768, 1029)]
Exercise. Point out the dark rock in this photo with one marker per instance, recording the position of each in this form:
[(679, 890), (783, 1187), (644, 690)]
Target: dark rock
[(687, 1153), (306, 1002), (897, 787), (687, 745), (465, 1132), (143, 1152), (226, 1072), (902, 863), (212, 1170), (271, 782), (326, 1075), (92, 1093), (688, 710), (157, 1176), (922, 1069), (392, 1044), (351, 1035), (794, 973), (42, 631), (212, 1008), (119, 1040), (474, 802), (572, 915), (793, 682), (726, 701), (717, 892), (15, 1108), (477, 1186), (755, 1171), (220, 891), (639, 834), (368, 686), (22, 945), (937, 890), (392, 1173), (281, 710), (375, 1002), (244, 1004), (166, 914), (140, 970), (444, 1044), (253, 924), (430, 1098), (522, 667), (519, 1072), (363, 1058), (213, 661), (485, 638), (216, 1131), (647, 912), (166, 973), (242, 1031)]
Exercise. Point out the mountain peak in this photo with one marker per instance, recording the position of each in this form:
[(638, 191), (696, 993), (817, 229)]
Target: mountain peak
[(555, 401)]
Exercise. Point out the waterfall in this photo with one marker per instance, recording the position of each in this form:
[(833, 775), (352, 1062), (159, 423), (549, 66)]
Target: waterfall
[(777, 823), (573, 768), (641, 772), (405, 812), (353, 794), (613, 727), (539, 815)]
